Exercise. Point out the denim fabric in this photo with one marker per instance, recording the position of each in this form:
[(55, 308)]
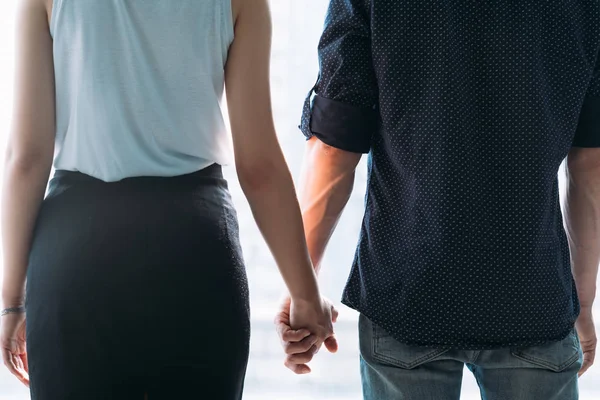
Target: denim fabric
[(393, 371)]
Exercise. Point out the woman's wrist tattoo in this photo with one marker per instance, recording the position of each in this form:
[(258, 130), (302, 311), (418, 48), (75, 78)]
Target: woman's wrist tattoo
[(12, 310)]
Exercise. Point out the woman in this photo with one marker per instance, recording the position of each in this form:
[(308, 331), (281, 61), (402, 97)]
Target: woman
[(134, 276)]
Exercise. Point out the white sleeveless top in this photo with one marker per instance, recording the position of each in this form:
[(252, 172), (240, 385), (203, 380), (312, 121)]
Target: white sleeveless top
[(139, 85)]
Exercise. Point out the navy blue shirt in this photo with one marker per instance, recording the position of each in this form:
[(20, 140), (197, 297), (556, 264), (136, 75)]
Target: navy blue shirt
[(467, 109)]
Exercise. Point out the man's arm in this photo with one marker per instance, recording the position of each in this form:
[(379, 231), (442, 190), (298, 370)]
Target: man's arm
[(582, 219), (340, 121), (339, 124), (326, 183), (582, 213)]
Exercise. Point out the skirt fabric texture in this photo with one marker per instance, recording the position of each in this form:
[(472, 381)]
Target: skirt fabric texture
[(137, 289)]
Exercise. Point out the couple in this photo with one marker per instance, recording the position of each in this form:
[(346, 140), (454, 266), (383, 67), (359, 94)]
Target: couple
[(130, 270)]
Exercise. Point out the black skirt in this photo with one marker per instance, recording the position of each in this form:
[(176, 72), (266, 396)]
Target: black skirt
[(137, 288)]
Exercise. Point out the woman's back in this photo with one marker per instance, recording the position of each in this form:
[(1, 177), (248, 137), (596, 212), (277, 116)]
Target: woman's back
[(138, 287), (139, 84)]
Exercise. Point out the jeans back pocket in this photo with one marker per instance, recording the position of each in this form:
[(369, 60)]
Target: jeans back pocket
[(386, 349), (555, 356)]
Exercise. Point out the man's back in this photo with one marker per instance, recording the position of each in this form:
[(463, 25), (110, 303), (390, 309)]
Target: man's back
[(467, 111)]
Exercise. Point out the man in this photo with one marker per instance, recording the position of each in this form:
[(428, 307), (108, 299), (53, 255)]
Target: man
[(467, 110)]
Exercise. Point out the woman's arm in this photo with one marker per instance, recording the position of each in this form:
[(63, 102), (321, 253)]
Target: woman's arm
[(262, 170), (261, 167), (30, 148)]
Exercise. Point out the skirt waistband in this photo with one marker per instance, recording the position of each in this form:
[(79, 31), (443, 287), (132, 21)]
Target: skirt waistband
[(212, 171)]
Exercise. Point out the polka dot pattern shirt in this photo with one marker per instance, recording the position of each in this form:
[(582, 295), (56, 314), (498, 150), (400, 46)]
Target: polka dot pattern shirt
[(467, 109)]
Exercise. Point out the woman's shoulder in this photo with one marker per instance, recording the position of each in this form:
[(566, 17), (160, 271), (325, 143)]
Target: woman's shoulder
[(249, 7), (47, 5), (34, 8)]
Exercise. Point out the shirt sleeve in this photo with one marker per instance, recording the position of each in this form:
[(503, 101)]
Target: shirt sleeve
[(344, 112), (588, 128)]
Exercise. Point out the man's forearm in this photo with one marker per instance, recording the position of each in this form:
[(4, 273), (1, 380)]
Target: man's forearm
[(22, 195), (325, 186), (582, 217)]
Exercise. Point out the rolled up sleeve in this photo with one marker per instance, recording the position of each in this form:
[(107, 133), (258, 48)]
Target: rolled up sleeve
[(343, 112), (588, 128)]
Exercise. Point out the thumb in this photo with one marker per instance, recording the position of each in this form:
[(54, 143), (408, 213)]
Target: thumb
[(331, 344), (334, 314)]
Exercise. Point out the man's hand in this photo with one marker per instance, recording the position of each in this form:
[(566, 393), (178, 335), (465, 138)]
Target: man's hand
[(587, 336), (300, 345)]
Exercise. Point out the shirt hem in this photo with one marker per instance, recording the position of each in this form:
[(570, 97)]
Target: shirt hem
[(466, 345)]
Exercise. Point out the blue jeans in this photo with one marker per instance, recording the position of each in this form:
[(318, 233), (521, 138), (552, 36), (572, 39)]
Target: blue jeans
[(393, 371)]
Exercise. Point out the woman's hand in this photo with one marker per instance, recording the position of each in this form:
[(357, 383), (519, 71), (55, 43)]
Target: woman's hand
[(303, 327), (12, 344)]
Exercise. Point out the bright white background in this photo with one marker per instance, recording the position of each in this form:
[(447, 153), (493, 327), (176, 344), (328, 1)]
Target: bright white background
[(297, 26)]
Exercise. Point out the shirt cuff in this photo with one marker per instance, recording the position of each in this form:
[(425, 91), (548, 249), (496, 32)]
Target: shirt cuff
[(340, 125), (588, 129)]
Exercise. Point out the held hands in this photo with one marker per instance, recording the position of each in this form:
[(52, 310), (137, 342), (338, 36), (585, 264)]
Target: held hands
[(587, 337), (12, 345), (316, 322)]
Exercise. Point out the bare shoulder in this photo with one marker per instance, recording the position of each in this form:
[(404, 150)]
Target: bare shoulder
[(250, 9), (39, 5), (35, 8)]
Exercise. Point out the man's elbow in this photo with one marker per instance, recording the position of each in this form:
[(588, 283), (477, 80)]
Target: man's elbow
[(583, 166), (319, 152)]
